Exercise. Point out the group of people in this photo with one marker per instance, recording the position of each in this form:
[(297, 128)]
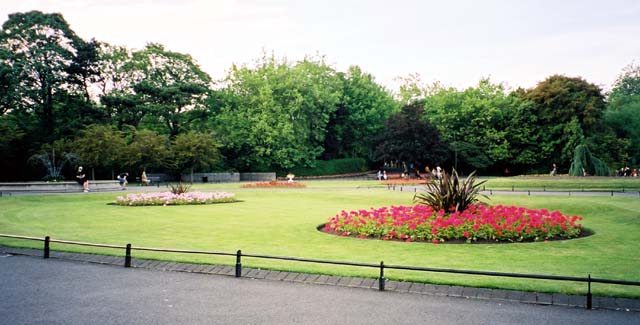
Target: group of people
[(628, 172), (410, 171), (83, 180)]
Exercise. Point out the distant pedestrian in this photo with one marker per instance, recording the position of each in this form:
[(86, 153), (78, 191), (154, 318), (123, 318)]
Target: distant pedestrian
[(554, 170), (82, 179), (122, 179), (379, 175), (384, 175)]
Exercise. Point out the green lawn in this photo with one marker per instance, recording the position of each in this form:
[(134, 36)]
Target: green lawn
[(283, 222), (564, 183)]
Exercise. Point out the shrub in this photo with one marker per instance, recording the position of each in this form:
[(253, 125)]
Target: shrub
[(179, 188), (448, 193), (167, 198), (330, 167), (478, 222)]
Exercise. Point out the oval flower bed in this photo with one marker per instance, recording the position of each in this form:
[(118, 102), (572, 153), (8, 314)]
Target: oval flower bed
[(273, 184), (168, 198), (477, 223)]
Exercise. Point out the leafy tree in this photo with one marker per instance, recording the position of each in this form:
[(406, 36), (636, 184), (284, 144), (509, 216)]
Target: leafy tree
[(147, 150), (173, 84), (410, 138), (42, 51), (567, 109), (476, 122), (622, 114), (195, 150), (359, 116), (100, 146), (275, 115)]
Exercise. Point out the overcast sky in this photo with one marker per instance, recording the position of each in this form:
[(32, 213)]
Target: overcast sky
[(456, 42)]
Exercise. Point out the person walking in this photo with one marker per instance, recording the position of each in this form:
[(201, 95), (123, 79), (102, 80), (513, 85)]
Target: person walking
[(122, 179)]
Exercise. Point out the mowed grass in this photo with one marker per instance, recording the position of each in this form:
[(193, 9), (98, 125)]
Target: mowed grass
[(283, 222), (564, 183)]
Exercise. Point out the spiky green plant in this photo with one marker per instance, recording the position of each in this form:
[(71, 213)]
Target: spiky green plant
[(179, 188), (450, 193)]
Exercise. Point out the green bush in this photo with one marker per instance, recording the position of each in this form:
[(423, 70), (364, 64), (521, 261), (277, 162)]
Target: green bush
[(329, 167)]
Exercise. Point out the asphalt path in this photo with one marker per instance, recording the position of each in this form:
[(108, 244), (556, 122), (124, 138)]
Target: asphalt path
[(37, 291)]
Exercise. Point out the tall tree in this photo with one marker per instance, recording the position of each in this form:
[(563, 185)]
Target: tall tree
[(173, 85), (275, 114), (100, 146), (622, 113), (410, 138), (42, 48), (359, 116), (195, 150), (476, 122), (566, 108)]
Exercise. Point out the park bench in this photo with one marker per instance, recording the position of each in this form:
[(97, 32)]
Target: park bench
[(150, 179)]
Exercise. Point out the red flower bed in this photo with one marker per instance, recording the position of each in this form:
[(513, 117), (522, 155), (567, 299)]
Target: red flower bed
[(478, 222), (273, 184), (405, 181)]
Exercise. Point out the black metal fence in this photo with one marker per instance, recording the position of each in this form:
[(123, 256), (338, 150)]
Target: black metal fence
[(381, 279)]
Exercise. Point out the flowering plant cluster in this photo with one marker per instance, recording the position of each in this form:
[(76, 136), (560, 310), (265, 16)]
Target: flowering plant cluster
[(405, 181), (168, 198), (273, 184), (477, 222)]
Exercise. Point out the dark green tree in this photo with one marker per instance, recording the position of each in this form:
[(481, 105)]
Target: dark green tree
[(195, 151), (147, 150), (101, 147), (568, 109), (42, 52), (359, 116), (410, 138), (623, 116)]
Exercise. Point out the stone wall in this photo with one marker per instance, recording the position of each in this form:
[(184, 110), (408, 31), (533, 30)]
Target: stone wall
[(229, 177), (257, 177), (58, 187)]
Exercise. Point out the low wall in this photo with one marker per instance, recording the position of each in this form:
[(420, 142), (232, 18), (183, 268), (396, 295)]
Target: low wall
[(228, 177), (257, 177), (58, 187), (211, 177)]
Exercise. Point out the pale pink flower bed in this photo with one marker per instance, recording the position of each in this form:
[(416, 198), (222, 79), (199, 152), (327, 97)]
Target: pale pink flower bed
[(168, 198)]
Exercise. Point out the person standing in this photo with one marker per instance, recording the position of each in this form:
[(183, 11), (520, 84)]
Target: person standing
[(122, 179), (82, 179), (554, 171)]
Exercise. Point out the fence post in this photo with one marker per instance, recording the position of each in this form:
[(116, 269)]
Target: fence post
[(544, 188), (381, 279), (46, 247), (611, 193), (400, 188), (127, 256), (512, 188), (623, 189), (529, 192), (490, 192), (589, 298), (238, 264)]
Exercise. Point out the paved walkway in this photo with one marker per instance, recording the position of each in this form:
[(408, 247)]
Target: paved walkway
[(364, 283)]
